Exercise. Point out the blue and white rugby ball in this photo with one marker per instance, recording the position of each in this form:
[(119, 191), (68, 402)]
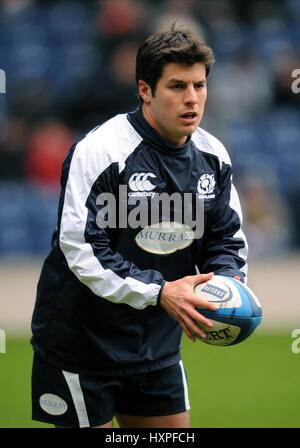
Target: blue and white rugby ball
[(238, 314)]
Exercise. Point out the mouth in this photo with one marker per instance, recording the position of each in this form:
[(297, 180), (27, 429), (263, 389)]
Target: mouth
[(189, 117)]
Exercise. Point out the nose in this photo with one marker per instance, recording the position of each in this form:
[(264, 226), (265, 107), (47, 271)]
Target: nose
[(191, 96)]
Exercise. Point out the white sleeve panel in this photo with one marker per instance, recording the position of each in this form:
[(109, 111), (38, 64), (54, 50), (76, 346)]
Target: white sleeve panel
[(206, 142), (236, 206), (95, 153)]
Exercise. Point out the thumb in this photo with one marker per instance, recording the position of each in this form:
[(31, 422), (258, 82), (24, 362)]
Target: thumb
[(201, 278)]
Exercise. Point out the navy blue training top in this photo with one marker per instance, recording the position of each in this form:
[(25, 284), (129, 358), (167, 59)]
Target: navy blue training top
[(97, 309)]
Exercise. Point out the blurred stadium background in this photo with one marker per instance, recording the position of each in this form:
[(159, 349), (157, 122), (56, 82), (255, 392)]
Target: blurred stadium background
[(69, 66)]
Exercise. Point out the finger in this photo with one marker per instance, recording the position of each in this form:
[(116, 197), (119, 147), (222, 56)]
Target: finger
[(200, 319), (186, 330), (201, 278), (193, 327), (198, 302)]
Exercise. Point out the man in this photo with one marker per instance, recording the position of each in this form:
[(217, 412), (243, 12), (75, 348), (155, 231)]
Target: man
[(113, 298)]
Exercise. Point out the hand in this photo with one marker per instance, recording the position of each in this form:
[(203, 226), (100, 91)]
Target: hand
[(177, 299)]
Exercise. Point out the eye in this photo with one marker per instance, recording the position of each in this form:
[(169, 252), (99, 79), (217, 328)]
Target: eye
[(200, 85), (177, 86)]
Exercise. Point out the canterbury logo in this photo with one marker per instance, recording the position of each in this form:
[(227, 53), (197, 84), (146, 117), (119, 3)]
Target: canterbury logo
[(140, 182)]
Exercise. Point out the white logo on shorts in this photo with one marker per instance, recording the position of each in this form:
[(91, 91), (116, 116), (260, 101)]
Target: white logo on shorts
[(52, 404)]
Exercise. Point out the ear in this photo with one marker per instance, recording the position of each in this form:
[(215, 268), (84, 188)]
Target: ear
[(145, 91)]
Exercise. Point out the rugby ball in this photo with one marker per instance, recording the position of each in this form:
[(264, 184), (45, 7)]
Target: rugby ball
[(238, 310)]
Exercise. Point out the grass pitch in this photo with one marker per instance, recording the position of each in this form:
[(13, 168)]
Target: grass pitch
[(254, 384)]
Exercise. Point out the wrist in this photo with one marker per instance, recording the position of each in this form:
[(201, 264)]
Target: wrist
[(160, 292)]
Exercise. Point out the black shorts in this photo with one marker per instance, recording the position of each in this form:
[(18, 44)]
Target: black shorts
[(69, 399)]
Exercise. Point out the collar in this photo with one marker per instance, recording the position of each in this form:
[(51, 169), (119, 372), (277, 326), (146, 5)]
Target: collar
[(141, 125)]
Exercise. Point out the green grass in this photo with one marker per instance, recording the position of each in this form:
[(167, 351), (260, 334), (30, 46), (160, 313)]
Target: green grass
[(254, 384), (15, 390)]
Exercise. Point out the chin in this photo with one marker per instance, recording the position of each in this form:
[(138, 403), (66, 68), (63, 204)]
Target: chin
[(191, 129)]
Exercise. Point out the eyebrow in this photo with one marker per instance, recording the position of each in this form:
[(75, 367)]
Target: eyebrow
[(174, 80)]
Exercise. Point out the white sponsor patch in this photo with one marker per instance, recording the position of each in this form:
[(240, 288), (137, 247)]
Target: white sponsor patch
[(165, 237), (52, 404)]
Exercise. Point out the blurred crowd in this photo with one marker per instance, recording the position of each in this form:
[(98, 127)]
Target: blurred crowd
[(69, 66)]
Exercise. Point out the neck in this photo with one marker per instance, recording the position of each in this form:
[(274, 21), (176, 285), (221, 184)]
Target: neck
[(147, 113)]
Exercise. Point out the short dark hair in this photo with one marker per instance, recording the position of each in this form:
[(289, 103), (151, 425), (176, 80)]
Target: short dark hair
[(176, 45)]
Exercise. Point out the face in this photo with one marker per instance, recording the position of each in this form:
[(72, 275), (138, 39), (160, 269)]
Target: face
[(176, 108)]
